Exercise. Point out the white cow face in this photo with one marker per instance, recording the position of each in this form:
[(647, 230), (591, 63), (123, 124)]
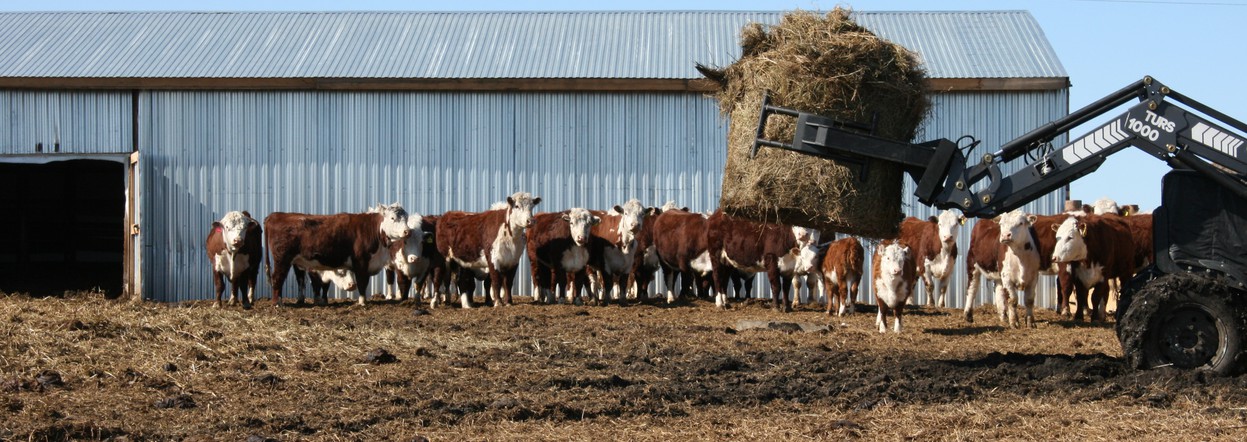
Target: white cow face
[(393, 221), (806, 258), (1015, 226), (234, 229), (1104, 206), (520, 210), (670, 205), (805, 236), (343, 278), (949, 226), (1070, 242), (581, 221), (413, 247), (631, 215), (892, 259)]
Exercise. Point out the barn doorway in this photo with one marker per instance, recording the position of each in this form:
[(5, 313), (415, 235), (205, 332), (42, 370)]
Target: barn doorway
[(63, 224)]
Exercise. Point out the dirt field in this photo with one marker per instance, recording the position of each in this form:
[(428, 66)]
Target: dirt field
[(84, 368)]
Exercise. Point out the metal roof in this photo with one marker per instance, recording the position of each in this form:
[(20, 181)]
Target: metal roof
[(482, 45)]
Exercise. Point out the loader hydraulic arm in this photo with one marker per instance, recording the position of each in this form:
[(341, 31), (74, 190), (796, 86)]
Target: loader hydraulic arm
[(944, 178)]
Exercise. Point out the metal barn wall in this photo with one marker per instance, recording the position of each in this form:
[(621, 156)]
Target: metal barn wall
[(206, 153), (83, 122)]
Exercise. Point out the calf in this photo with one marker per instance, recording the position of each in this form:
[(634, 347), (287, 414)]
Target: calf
[(234, 252), (934, 248), (894, 274), (757, 247), (613, 247), (982, 260), (1019, 267), (359, 242), (645, 263), (343, 278), (491, 242), (558, 249), (1100, 248), (842, 274)]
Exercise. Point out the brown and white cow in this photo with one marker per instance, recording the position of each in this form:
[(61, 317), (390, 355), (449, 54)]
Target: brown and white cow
[(1100, 248), (842, 268), (777, 249), (359, 242), (1019, 268), (982, 260), (894, 274), (933, 244), (488, 242), (407, 260), (234, 252), (321, 280), (613, 248), (558, 248), (646, 263), (679, 241)]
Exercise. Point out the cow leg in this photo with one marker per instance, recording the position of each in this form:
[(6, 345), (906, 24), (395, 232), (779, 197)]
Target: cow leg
[(277, 277), (1011, 303), (941, 290), (972, 288), (218, 284), (1001, 307), (1099, 301), (928, 283), (879, 318), (465, 285), (1080, 299), (493, 292), (361, 283), (897, 313), (777, 284), (1028, 300), (796, 291), (300, 281), (668, 279), (851, 286), (404, 284)]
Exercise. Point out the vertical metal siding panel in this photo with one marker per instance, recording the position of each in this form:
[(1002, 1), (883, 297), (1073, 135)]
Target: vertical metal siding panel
[(84, 122)]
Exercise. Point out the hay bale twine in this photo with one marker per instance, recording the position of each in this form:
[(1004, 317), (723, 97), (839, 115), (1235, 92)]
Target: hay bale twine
[(828, 65)]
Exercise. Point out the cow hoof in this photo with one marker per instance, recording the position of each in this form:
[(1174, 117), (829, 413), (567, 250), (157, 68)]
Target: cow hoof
[(969, 317)]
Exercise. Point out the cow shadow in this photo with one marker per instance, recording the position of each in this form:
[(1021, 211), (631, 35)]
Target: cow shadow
[(965, 331), (1084, 324)]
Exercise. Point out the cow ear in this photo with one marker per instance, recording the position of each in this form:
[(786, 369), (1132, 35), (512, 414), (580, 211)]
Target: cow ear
[(567, 218), (1056, 227), (536, 201), (246, 213), (933, 219), (596, 220), (618, 209), (216, 224), (685, 208), (651, 211), (1031, 218), (511, 201)]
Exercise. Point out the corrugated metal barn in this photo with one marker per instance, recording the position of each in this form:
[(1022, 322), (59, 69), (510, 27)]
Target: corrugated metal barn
[(127, 134)]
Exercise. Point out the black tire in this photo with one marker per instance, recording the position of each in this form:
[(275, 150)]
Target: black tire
[(1185, 321)]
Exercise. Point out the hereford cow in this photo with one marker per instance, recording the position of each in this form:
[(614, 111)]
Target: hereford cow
[(933, 245), (407, 261), (1100, 248), (613, 247), (777, 249), (487, 242), (321, 280), (234, 253), (558, 249), (646, 263), (1019, 268), (679, 241), (894, 274), (842, 266), (359, 242)]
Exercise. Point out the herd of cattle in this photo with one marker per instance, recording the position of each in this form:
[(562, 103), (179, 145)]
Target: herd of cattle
[(616, 254)]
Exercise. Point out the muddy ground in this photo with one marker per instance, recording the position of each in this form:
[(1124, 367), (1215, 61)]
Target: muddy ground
[(80, 367)]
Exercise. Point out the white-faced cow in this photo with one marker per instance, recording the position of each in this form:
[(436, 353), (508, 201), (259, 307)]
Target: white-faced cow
[(679, 240), (934, 247), (646, 262), (234, 252), (492, 242), (842, 268), (342, 278), (894, 275), (613, 248), (557, 249), (757, 247), (1099, 248), (406, 260), (359, 242), (1019, 268)]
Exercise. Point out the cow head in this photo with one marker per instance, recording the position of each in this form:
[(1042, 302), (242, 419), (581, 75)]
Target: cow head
[(393, 221), (581, 221), (343, 278), (1104, 206), (233, 229), (1015, 227), (670, 205), (949, 225), (413, 247), (892, 259), (805, 236), (1071, 244), (520, 210), (806, 258), (631, 216)]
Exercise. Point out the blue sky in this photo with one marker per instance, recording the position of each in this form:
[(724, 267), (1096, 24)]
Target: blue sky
[(1194, 46)]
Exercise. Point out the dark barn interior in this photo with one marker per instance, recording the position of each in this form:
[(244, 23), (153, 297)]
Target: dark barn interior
[(62, 225)]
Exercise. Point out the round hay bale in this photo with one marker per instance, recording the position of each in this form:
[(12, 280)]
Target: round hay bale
[(828, 65)]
